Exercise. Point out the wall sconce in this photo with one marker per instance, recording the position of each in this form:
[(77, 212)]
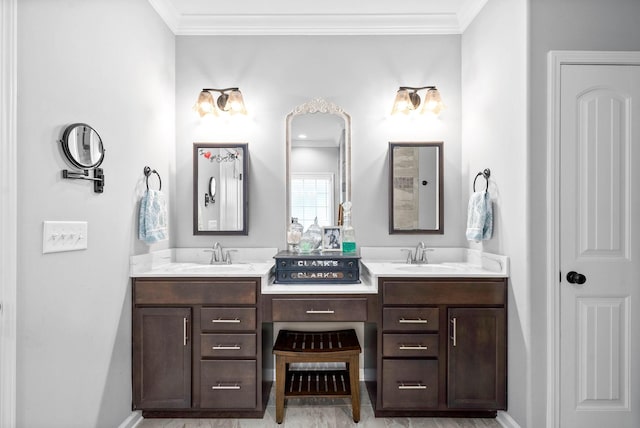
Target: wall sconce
[(230, 100), (407, 100)]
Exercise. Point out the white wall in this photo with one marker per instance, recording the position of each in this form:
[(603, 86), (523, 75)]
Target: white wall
[(494, 136), (561, 25), (111, 64), (276, 74)]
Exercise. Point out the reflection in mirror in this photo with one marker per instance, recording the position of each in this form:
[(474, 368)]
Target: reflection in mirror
[(318, 162), (82, 146), (416, 188), (220, 189)]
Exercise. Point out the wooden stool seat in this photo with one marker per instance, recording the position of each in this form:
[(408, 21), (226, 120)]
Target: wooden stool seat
[(317, 347)]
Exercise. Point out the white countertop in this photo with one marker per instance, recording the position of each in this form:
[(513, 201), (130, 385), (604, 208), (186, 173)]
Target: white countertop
[(376, 262)]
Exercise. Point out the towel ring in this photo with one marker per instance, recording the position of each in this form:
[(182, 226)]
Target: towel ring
[(147, 172), (486, 174)]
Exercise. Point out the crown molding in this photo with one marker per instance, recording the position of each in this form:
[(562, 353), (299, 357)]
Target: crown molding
[(317, 24)]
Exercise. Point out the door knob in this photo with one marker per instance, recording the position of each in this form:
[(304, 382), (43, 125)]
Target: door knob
[(576, 278)]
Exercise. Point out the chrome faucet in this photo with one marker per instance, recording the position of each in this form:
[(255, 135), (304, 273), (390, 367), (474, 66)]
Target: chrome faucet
[(219, 255), (216, 253), (420, 254)]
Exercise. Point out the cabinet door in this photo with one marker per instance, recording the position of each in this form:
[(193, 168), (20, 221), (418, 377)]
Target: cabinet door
[(162, 358), (476, 366)]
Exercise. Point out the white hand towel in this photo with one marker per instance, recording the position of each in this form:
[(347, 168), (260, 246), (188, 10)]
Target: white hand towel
[(479, 217), (152, 220)]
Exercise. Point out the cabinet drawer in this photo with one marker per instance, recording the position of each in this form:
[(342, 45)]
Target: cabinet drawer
[(195, 292), (443, 292), (228, 384), (409, 384), (227, 319), (410, 319), (228, 345), (410, 345), (319, 309)]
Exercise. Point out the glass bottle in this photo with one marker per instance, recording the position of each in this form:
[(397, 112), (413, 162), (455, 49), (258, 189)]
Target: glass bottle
[(316, 232), (307, 242), (294, 234), (348, 232)]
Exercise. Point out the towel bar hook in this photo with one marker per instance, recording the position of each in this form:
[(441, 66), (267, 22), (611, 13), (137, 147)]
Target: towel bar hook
[(147, 172), (486, 174)]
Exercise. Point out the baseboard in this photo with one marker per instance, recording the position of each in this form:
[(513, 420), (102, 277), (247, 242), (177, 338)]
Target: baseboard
[(506, 421), (132, 421)]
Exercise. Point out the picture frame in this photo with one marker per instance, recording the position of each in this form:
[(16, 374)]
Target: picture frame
[(332, 238)]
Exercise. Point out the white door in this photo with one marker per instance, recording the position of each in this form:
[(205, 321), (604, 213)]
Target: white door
[(600, 243)]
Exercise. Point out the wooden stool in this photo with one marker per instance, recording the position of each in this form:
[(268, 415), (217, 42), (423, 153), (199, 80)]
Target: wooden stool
[(317, 347)]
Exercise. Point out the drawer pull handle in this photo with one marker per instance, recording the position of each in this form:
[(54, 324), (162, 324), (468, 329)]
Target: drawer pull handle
[(227, 321), (220, 386), (414, 386), (226, 347), (412, 321), (328, 311), (413, 347)]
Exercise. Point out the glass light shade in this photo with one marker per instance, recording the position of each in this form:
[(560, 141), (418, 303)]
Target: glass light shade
[(432, 102), (235, 103), (204, 105), (403, 103)]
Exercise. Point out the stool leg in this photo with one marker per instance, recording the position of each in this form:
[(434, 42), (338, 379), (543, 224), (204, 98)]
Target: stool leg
[(354, 378), (281, 370)]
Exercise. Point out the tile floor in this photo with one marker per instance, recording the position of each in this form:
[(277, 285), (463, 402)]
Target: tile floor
[(321, 413)]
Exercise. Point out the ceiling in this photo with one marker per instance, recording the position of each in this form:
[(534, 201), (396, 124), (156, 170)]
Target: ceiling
[(313, 17)]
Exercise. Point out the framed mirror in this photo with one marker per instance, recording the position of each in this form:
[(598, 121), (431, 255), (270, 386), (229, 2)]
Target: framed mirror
[(318, 162), (416, 197), (220, 187), (82, 146)]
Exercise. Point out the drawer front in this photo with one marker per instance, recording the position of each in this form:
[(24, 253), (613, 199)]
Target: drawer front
[(410, 319), (228, 384), (227, 319), (409, 384), (319, 309), (410, 345), (195, 292), (228, 345), (444, 292)]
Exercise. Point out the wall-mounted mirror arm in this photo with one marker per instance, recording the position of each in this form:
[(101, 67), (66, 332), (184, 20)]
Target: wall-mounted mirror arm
[(98, 177)]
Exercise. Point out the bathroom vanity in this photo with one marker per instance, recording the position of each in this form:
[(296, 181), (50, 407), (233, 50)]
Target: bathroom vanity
[(434, 334)]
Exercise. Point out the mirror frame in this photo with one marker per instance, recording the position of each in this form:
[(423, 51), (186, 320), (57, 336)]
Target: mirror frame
[(317, 105), (67, 151), (440, 229), (245, 188)]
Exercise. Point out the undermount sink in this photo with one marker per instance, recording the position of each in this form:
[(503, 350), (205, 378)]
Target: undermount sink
[(199, 267), (425, 267)]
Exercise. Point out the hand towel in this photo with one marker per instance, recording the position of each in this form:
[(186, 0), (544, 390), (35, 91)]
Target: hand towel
[(152, 220), (479, 217)]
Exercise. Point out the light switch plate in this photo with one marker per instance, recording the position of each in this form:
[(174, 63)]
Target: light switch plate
[(60, 236)]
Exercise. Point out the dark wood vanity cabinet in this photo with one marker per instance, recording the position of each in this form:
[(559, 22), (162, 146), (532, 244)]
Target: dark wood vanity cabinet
[(197, 348), (162, 358), (442, 347)]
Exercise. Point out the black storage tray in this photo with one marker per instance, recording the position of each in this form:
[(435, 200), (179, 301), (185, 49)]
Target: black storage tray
[(317, 268)]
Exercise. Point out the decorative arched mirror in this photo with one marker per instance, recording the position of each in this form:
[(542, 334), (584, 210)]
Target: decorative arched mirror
[(83, 149), (220, 188), (416, 196), (318, 157)]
